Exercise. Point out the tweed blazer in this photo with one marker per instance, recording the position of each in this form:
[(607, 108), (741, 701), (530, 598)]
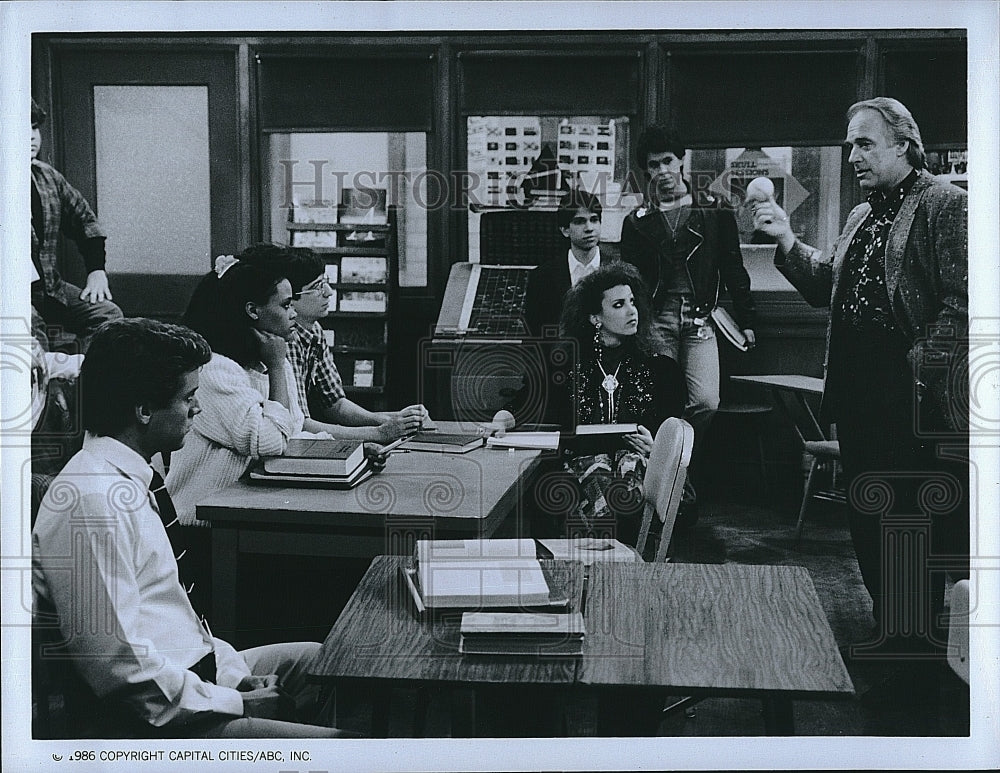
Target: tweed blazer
[(927, 279)]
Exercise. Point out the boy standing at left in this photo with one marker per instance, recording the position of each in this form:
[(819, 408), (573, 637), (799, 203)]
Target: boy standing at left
[(57, 207)]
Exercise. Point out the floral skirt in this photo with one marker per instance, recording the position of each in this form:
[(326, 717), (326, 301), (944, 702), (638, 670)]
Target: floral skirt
[(610, 496)]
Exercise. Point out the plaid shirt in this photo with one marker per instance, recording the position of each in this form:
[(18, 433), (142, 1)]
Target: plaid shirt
[(64, 210), (316, 373)]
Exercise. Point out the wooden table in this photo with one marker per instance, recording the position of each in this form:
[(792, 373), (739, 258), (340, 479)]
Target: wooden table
[(691, 629), (419, 495), (798, 387)]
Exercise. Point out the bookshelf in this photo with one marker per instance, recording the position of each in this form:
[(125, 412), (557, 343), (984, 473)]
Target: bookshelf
[(361, 268)]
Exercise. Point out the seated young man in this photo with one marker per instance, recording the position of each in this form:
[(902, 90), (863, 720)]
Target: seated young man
[(59, 209), (103, 562), (579, 220), (316, 374)]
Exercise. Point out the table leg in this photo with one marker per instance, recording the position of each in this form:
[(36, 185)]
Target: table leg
[(628, 713), (381, 702), (778, 716), (225, 564), (463, 712)]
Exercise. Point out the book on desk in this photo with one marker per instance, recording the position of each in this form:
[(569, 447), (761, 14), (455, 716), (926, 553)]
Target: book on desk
[(521, 633), (485, 574), (443, 442), (317, 456), (335, 482)]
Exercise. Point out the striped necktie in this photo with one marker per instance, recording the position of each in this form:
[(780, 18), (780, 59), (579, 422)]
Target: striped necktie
[(190, 563), (187, 570)]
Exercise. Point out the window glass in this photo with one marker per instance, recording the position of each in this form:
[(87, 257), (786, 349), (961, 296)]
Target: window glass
[(153, 177), (530, 161), (321, 173), (807, 184)]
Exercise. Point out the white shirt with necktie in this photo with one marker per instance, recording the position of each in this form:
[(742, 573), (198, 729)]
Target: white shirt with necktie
[(102, 558)]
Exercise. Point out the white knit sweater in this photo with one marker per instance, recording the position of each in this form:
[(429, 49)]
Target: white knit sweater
[(237, 424)]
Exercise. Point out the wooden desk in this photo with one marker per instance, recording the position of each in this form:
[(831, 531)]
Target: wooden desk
[(694, 629), (418, 495), (799, 387)]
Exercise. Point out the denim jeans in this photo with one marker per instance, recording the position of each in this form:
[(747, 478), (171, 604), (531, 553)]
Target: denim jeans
[(696, 350)]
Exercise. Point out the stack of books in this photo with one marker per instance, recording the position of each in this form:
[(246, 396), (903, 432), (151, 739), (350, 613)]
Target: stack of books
[(476, 574), (315, 463), (513, 606), (521, 633)]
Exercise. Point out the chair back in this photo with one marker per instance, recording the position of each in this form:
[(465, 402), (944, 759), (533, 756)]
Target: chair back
[(958, 630), (663, 483)]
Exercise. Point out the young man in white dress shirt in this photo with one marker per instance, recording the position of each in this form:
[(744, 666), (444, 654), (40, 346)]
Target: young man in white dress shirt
[(579, 220), (104, 564)]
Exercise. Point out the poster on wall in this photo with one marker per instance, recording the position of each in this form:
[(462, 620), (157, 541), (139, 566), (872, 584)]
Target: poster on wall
[(529, 161)]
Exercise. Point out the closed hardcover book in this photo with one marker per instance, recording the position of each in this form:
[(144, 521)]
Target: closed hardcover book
[(521, 633), (305, 456), (730, 330), (444, 442), (600, 438), (336, 482)]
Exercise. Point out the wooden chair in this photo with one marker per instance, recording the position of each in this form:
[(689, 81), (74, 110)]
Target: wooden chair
[(663, 484), (958, 630)]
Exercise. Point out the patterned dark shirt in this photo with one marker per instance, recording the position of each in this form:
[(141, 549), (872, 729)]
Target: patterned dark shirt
[(316, 374), (865, 304), (62, 209)]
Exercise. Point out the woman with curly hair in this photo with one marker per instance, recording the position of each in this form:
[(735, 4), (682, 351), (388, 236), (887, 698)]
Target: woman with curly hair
[(616, 378)]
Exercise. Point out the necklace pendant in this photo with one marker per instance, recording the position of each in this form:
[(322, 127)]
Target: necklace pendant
[(610, 384)]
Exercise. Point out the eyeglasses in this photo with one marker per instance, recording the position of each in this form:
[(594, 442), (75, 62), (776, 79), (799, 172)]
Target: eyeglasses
[(321, 286)]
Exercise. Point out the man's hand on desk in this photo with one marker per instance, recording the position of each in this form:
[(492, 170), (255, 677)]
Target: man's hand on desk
[(376, 456), (268, 703), (398, 423)]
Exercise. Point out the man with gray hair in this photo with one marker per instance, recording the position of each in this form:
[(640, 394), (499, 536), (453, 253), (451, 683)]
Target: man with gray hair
[(896, 369)]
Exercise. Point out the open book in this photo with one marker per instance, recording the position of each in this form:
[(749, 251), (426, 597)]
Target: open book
[(475, 573)]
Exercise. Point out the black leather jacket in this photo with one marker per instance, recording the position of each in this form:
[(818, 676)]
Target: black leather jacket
[(716, 260)]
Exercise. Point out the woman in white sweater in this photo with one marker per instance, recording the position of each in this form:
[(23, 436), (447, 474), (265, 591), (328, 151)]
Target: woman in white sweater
[(247, 392)]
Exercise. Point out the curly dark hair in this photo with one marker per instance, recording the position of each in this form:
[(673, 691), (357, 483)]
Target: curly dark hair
[(217, 308), (132, 362), (658, 139), (586, 297), (299, 265)]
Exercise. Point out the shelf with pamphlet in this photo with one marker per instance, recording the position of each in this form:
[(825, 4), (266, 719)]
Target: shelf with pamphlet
[(358, 244)]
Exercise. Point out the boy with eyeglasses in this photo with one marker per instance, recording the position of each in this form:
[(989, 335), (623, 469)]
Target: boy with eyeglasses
[(320, 386)]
